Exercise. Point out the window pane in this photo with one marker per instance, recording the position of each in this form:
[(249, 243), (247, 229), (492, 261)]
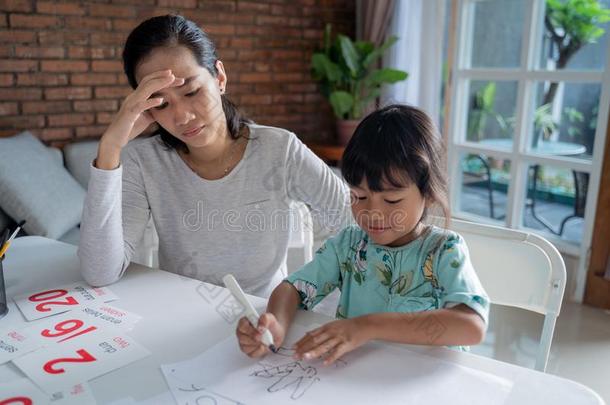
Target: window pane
[(555, 202), (484, 185), (565, 120), (496, 33), (575, 40), (491, 108)]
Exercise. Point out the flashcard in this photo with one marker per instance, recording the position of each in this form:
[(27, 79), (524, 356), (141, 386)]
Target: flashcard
[(114, 316), (76, 395), (69, 326), (15, 344), (40, 304), (64, 365), (22, 392)]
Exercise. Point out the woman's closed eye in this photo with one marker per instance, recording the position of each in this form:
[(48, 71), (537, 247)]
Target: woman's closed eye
[(393, 201), (189, 94), (192, 93), (161, 106)]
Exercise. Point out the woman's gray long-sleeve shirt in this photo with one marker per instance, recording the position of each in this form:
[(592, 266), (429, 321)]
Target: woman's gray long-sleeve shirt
[(238, 224)]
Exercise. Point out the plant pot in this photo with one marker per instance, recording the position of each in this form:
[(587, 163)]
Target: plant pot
[(345, 130)]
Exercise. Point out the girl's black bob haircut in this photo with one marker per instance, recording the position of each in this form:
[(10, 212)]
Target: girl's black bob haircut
[(394, 147)]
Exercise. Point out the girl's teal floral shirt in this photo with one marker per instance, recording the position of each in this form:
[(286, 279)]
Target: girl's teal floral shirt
[(431, 272)]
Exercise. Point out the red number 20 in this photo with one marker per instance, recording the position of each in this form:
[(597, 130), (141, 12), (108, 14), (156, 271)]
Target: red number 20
[(49, 295), (85, 357)]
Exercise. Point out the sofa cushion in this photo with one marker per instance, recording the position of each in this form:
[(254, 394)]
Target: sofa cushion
[(35, 188), (78, 157)]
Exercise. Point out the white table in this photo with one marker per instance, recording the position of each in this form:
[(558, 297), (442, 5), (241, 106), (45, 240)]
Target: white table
[(180, 321)]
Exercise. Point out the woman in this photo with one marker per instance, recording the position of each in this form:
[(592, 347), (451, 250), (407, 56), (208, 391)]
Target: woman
[(217, 186)]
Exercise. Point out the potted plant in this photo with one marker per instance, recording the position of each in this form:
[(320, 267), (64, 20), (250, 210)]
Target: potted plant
[(349, 78)]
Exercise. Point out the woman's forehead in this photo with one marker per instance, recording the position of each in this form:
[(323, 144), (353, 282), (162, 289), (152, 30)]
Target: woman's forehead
[(178, 59)]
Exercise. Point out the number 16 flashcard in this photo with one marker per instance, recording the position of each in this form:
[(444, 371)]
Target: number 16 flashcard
[(64, 365), (45, 303)]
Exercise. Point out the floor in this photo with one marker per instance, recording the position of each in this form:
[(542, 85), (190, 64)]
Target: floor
[(580, 349), (475, 200)]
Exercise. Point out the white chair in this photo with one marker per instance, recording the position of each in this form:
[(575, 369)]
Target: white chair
[(518, 269), (301, 232)]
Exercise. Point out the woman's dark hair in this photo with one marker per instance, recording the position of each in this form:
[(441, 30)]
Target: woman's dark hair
[(175, 30), (398, 144)]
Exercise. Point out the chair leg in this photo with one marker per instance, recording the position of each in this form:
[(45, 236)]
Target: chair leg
[(546, 338)]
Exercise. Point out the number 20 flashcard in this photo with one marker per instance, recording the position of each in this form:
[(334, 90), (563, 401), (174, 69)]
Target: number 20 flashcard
[(45, 303)]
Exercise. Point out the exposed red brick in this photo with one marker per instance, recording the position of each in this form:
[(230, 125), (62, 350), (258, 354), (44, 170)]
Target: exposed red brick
[(96, 105), (16, 65), (33, 21), (64, 65), (68, 93), (6, 80), (107, 66), (112, 92), (39, 52), (16, 5), (111, 10), (8, 93), (9, 108), (42, 79), (93, 79), (45, 107), (17, 36), (24, 121), (46, 7), (72, 119)]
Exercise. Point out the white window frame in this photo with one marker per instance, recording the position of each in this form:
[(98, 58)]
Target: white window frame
[(527, 77)]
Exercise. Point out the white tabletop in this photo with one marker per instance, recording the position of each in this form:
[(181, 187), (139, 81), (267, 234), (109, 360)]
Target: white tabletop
[(180, 320)]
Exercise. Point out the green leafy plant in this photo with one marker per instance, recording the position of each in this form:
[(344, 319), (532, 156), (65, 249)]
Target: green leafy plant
[(483, 108), (347, 74), (571, 24)]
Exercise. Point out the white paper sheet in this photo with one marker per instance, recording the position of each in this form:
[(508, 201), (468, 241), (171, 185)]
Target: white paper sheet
[(371, 374)]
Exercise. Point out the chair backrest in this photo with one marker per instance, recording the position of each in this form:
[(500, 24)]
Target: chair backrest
[(301, 230), (518, 269)]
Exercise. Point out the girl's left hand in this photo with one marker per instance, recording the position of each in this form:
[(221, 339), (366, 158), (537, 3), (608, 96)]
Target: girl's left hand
[(332, 340)]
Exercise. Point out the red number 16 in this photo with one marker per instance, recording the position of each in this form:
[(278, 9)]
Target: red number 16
[(62, 328)]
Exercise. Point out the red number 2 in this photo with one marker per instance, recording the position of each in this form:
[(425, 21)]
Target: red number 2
[(49, 295), (17, 401), (85, 357)]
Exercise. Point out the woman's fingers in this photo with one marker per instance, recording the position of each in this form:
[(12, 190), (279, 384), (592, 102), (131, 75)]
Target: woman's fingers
[(145, 90), (148, 104)]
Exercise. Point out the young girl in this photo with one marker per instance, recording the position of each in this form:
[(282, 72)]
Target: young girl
[(400, 279)]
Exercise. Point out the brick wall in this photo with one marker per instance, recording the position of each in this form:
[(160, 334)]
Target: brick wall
[(61, 73)]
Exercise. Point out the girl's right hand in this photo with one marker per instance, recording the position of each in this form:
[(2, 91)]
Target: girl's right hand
[(249, 337), (133, 116)]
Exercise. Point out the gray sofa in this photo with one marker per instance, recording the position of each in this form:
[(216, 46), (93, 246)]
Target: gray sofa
[(47, 186)]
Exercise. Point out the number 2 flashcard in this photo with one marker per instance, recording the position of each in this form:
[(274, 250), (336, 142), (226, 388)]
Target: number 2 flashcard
[(63, 365)]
